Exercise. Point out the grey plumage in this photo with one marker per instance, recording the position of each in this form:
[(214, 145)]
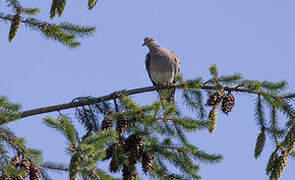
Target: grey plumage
[(162, 66)]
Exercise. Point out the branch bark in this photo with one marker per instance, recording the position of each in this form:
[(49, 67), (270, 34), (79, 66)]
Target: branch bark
[(69, 105), (114, 95)]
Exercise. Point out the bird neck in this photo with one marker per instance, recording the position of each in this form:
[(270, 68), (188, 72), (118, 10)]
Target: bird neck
[(153, 46)]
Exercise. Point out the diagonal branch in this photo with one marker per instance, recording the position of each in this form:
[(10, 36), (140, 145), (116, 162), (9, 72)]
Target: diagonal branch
[(83, 103), (114, 95)]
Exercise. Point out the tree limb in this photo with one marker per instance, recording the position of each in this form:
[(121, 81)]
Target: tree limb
[(114, 95)]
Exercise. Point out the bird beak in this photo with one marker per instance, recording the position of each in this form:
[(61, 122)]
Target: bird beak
[(143, 44)]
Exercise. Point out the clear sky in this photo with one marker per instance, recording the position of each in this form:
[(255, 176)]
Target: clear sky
[(255, 38)]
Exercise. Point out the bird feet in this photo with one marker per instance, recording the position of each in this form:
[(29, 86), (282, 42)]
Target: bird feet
[(164, 86)]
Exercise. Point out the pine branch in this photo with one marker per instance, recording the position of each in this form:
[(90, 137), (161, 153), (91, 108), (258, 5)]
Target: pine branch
[(208, 158), (14, 4), (259, 112), (91, 172), (63, 125), (8, 111), (213, 71), (113, 96), (290, 96), (81, 31), (194, 100), (34, 154), (31, 11), (101, 138), (3, 153), (88, 118), (231, 79), (274, 130), (44, 174), (274, 87), (55, 166), (65, 33), (12, 140)]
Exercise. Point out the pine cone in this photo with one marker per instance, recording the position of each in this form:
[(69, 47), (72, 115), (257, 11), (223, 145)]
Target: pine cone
[(173, 177), (15, 24), (128, 172), (109, 152), (289, 140), (214, 99), (11, 139), (271, 162), (212, 119), (61, 7), (115, 151), (147, 162), (25, 164), (134, 145), (91, 3), (114, 165), (107, 122), (5, 175), (53, 9), (35, 172), (122, 125), (228, 103), (57, 6), (259, 144), (280, 166), (15, 161)]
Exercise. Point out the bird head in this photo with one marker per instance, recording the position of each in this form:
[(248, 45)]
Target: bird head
[(149, 42)]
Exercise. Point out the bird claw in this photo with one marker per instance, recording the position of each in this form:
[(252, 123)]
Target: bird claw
[(160, 86), (164, 86)]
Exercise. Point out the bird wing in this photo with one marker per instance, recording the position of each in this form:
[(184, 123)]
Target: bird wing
[(176, 66), (147, 66)]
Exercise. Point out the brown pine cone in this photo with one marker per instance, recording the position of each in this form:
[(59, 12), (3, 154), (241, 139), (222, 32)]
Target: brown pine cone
[(134, 145), (109, 152), (35, 172), (107, 122), (214, 99), (15, 161), (5, 175), (128, 172), (122, 124), (147, 162), (228, 103), (259, 144), (25, 164), (114, 165)]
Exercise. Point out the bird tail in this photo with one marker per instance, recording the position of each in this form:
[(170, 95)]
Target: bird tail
[(167, 95)]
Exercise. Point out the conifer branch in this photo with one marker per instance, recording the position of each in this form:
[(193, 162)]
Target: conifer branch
[(14, 4), (114, 95), (65, 33), (54, 166), (142, 124)]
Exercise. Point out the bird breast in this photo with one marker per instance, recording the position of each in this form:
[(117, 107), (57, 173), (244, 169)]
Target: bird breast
[(161, 70)]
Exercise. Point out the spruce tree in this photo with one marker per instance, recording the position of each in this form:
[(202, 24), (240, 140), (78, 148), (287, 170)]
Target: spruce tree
[(150, 135)]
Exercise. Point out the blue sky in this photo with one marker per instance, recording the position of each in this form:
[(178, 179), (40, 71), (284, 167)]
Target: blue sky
[(255, 38)]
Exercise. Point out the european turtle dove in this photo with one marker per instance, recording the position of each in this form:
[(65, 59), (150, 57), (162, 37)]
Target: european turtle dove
[(162, 66)]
